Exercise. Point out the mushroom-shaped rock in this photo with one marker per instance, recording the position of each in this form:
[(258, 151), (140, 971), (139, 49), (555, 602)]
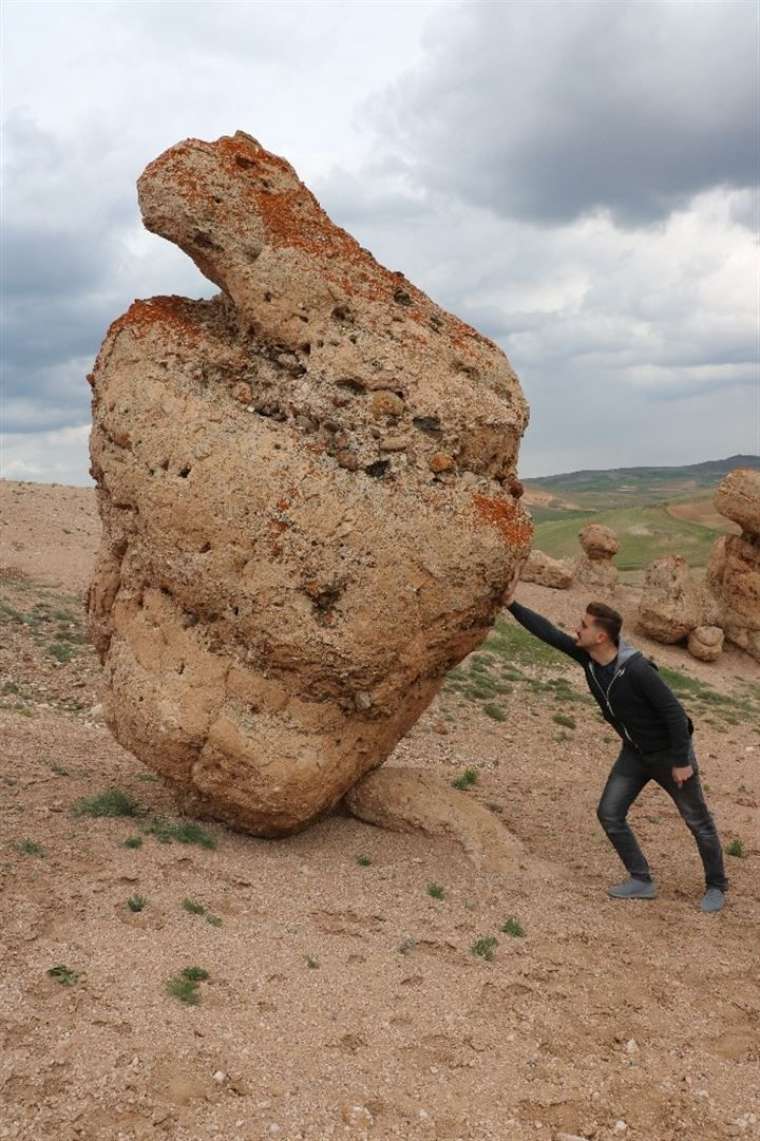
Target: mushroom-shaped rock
[(408, 800), (670, 602), (595, 568), (546, 571), (706, 643), (287, 569), (598, 542)]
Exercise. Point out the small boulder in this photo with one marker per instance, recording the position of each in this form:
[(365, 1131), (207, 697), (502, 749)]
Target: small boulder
[(670, 605), (706, 643), (546, 571)]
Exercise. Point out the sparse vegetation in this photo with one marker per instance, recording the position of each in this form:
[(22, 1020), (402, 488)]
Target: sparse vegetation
[(63, 975), (485, 947), (30, 848), (133, 842), (63, 652), (495, 711), (183, 831), (112, 802), (407, 945), (466, 780), (736, 848), (193, 907), (513, 927), (195, 974), (565, 720), (137, 903), (435, 891), (214, 920), (312, 962), (183, 989), (363, 861)]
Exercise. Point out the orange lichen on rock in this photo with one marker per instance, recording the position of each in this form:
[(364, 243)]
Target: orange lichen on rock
[(507, 517)]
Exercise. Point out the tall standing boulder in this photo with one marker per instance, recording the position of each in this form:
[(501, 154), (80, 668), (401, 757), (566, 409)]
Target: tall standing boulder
[(308, 496), (595, 568), (733, 573)]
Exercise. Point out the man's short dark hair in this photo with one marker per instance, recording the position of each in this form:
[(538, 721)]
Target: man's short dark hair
[(606, 619)]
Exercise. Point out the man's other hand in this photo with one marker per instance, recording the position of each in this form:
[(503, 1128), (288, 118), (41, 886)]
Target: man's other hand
[(681, 774)]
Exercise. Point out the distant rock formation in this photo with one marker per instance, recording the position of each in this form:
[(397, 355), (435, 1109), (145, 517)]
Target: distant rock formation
[(595, 568), (733, 573), (308, 494), (546, 571)]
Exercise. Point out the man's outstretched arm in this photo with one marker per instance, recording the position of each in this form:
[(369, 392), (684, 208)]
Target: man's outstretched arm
[(541, 627)]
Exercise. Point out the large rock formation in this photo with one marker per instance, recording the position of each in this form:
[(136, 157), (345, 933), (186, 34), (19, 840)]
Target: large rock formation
[(546, 571), (307, 493), (595, 568), (670, 606), (733, 573)]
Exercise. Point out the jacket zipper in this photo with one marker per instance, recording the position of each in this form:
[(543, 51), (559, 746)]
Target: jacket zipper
[(606, 700)]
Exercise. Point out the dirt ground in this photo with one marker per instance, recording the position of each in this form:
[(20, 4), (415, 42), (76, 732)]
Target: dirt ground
[(343, 1000)]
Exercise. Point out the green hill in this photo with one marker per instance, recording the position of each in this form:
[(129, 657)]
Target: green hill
[(619, 487), (639, 504)]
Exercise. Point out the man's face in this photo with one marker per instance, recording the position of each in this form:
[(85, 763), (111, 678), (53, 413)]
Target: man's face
[(588, 635)]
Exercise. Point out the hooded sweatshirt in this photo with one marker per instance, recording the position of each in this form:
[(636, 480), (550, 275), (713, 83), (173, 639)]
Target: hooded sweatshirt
[(635, 701)]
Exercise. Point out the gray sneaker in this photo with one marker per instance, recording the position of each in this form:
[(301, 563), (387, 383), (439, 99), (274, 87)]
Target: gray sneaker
[(633, 889), (713, 899)]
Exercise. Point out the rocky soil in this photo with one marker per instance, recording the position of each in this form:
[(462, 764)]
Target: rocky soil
[(345, 995)]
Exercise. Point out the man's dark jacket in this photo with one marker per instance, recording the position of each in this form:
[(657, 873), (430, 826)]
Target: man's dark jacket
[(638, 704)]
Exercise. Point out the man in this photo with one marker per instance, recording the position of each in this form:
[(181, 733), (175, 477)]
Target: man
[(655, 732)]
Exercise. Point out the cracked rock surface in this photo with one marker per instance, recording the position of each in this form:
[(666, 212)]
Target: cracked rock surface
[(308, 494)]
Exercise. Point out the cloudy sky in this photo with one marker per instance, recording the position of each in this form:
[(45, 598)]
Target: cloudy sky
[(579, 180)]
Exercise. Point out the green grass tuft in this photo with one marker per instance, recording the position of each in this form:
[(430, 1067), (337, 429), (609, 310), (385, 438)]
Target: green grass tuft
[(30, 848), (183, 831), (112, 802), (513, 927), (435, 891), (736, 848), (63, 975), (193, 907), (137, 903), (363, 861), (195, 974), (495, 711), (485, 947), (133, 842), (467, 779), (564, 719), (185, 990)]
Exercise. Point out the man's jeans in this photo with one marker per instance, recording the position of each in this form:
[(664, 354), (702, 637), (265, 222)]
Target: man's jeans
[(628, 776)]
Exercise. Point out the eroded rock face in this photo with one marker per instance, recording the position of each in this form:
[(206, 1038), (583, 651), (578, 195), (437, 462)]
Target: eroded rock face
[(670, 605), (595, 568), (706, 643), (308, 495), (546, 571)]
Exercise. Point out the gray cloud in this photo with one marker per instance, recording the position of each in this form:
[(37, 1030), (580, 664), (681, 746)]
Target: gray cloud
[(550, 111)]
